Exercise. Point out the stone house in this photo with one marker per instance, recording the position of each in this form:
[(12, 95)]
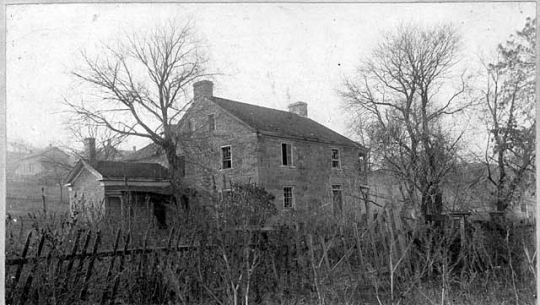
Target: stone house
[(305, 165), (119, 190)]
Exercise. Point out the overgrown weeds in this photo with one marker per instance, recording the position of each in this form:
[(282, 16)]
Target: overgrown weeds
[(200, 260)]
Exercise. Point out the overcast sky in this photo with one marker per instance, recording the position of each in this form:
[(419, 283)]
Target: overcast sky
[(268, 54)]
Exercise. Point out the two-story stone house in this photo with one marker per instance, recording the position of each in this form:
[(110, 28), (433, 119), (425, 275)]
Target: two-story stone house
[(304, 164)]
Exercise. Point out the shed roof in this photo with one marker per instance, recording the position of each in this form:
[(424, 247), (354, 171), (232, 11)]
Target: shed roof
[(115, 170), (120, 169)]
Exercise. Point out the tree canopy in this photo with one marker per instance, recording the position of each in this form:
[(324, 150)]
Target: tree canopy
[(139, 86), (397, 100)]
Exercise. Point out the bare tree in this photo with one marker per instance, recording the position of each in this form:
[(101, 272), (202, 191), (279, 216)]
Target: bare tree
[(57, 166), (397, 98), (508, 103), (139, 87)]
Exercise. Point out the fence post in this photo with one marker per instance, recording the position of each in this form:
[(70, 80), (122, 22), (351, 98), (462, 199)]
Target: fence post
[(82, 296), (371, 237), (9, 299), (359, 249), (299, 257), (65, 274), (111, 266), (325, 256), (82, 257), (401, 241), (121, 267), (346, 252), (309, 241), (142, 258), (288, 261), (28, 283)]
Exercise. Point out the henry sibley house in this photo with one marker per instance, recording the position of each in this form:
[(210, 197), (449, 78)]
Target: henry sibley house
[(305, 165)]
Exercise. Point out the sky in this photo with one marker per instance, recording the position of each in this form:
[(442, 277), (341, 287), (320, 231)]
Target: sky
[(266, 54)]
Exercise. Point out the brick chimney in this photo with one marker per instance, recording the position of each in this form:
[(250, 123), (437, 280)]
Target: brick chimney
[(299, 108), (90, 149), (203, 88)]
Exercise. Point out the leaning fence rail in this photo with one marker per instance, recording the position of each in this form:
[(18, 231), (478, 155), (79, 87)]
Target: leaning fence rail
[(89, 272)]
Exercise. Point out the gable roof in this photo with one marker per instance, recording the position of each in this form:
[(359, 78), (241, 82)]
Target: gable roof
[(118, 170), (49, 153), (282, 123), (149, 152)]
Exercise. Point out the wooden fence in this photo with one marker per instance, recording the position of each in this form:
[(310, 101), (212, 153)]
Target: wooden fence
[(88, 271), (75, 269)]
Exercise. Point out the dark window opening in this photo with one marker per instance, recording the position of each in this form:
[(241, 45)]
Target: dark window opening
[(160, 214), (337, 199), (335, 159), (226, 157), (362, 163), (286, 154), (211, 122), (288, 199)]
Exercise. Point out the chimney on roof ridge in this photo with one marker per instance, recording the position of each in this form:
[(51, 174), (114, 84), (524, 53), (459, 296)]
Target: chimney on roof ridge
[(203, 88), (299, 108), (90, 149)]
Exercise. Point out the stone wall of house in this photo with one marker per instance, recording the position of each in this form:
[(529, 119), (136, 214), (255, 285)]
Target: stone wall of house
[(257, 158), (87, 190), (311, 174), (204, 148)]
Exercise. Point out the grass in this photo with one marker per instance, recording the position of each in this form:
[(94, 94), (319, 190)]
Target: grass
[(25, 196)]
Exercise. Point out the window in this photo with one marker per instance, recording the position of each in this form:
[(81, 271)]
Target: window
[(523, 207), (211, 122), (337, 199), (286, 154), (362, 163), (335, 158), (288, 199), (226, 157)]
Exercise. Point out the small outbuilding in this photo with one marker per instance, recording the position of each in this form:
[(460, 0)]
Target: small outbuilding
[(119, 190)]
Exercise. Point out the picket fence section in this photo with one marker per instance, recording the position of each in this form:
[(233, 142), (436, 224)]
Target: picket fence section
[(361, 252)]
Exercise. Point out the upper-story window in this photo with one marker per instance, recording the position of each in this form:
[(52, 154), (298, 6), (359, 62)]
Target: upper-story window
[(336, 162), (226, 157), (211, 122), (286, 154), (288, 197)]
